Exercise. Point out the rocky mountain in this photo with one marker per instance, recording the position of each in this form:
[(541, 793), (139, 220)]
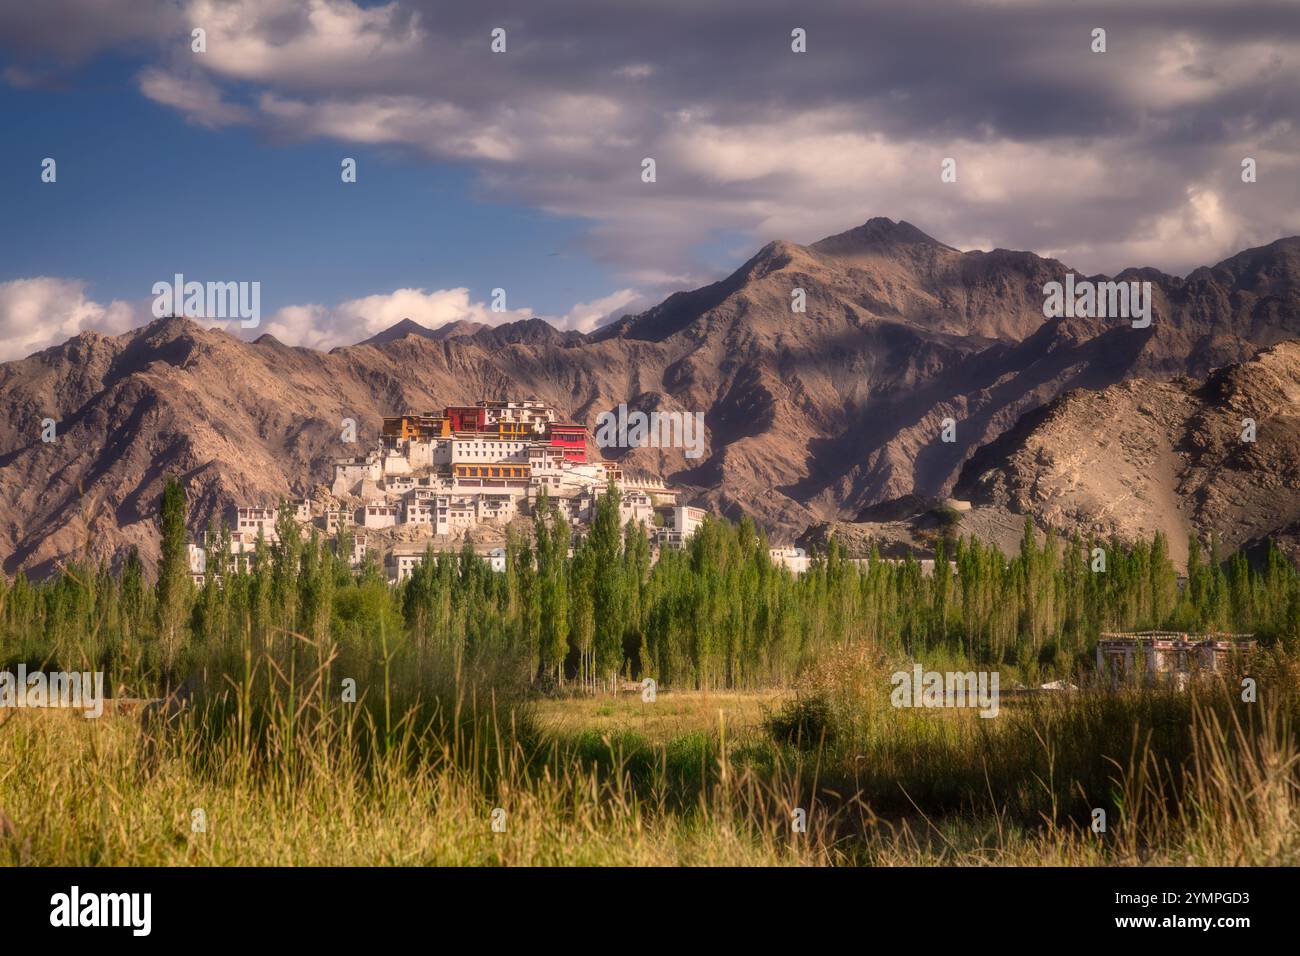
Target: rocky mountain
[(1215, 456), (810, 416), (410, 327)]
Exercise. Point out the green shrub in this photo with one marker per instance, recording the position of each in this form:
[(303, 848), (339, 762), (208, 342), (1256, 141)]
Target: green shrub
[(805, 721)]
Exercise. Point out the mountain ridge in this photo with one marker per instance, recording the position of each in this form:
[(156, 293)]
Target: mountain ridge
[(810, 417)]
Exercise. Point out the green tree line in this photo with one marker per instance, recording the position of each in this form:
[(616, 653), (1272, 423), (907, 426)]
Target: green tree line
[(588, 609)]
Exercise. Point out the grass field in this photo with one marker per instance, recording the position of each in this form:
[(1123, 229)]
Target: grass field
[(286, 775), (78, 792), (671, 715)]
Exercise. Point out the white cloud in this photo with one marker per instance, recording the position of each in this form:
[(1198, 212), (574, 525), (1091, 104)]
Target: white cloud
[(199, 100), (587, 316), (1094, 158), (1102, 183), (42, 311), (443, 128), (317, 43), (324, 327), (1185, 233), (39, 312)]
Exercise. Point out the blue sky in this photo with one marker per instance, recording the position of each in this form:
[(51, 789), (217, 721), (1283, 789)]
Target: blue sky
[(142, 193), (521, 169)]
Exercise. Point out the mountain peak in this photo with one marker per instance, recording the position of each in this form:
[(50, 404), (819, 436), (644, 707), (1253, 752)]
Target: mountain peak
[(876, 233), (459, 327), (170, 325), (398, 330), (530, 331), (408, 326)]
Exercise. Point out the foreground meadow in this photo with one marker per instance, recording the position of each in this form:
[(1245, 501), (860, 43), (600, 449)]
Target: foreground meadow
[(275, 770)]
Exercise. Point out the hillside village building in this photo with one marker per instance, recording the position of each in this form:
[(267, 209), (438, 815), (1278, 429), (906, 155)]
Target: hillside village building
[(483, 464), (1167, 657), (253, 520), (476, 466)]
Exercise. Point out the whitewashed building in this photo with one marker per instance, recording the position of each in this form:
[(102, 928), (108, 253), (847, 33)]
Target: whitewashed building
[(495, 508), (402, 562), (398, 484), (453, 514), (252, 520), (351, 473), (339, 518), (380, 515), (795, 560), (419, 512), (636, 506)]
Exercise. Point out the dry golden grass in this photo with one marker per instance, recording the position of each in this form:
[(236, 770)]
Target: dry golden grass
[(671, 715), (613, 781), (78, 793)]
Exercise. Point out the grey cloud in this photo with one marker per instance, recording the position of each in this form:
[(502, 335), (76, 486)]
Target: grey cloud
[(1097, 158), (69, 31)]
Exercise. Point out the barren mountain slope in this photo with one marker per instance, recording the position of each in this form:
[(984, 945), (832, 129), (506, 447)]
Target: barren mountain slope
[(809, 416), (1143, 456)]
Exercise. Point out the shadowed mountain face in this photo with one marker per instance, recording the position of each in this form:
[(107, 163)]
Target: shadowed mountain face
[(810, 416), (1218, 456)]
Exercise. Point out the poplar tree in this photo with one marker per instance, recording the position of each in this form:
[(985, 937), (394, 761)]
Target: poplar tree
[(173, 569), (609, 590)]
